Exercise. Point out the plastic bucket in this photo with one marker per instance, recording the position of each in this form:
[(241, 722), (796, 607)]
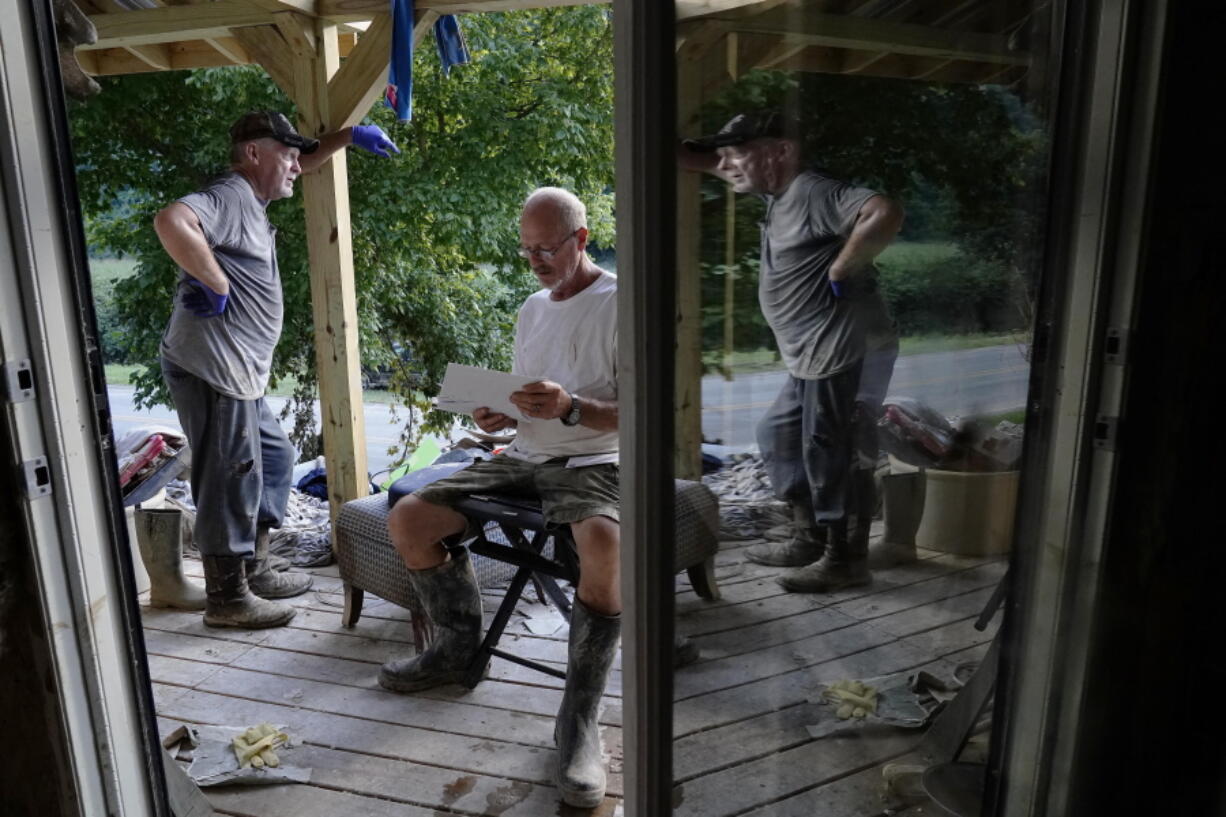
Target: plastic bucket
[(967, 513)]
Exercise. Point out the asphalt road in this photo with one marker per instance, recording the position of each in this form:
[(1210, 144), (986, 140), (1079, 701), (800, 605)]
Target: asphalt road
[(973, 381)]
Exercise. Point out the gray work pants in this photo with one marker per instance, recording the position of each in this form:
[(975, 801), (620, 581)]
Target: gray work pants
[(242, 462), (817, 431)]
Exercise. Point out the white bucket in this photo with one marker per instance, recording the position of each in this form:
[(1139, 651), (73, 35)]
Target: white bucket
[(158, 500), (967, 513)]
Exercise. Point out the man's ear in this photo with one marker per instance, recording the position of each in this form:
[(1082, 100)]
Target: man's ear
[(789, 150), (581, 238)]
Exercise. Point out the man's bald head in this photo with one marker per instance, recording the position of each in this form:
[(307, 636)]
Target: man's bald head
[(557, 205)]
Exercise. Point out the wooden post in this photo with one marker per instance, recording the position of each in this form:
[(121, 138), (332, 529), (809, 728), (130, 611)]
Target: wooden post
[(688, 394), (333, 294), (731, 51)]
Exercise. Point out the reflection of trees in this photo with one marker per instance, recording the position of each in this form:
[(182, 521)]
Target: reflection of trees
[(967, 162)]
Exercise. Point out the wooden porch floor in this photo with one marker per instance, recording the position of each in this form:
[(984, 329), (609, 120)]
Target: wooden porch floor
[(741, 743)]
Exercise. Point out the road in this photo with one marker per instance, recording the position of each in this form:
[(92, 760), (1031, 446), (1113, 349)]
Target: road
[(991, 380), (972, 381)]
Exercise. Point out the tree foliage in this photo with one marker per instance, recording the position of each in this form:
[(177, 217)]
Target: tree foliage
[(434, 230)]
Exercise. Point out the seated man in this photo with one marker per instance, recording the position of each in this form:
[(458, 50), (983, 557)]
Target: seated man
[(566, 336)]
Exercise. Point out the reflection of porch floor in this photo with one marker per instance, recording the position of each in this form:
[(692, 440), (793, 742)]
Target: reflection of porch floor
[(741, 748)]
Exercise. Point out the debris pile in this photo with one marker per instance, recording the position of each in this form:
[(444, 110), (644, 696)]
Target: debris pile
[(747, 505), (918, 435)]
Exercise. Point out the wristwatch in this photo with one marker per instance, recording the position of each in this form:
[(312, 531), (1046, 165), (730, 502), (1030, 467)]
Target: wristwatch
[(571, 418)]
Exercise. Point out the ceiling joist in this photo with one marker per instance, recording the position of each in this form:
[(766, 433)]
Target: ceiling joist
[(865, 34)]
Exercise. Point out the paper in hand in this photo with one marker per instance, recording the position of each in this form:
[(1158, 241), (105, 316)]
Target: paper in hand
[(467, 388)]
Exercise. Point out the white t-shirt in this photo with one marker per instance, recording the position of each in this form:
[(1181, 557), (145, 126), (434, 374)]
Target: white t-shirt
[(573, 343)]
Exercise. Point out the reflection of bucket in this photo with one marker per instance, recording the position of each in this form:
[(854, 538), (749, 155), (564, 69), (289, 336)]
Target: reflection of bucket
[(967, 513), (158, 500)]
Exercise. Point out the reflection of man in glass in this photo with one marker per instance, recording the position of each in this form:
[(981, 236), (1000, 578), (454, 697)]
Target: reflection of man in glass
[(818, 291)]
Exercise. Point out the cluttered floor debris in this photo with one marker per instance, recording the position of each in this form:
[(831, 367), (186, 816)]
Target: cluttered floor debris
[(745, 718)]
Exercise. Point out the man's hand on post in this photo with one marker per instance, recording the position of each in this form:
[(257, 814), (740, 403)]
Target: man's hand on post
[(204, 302), (492, 421), (371, 138), (543, 400)]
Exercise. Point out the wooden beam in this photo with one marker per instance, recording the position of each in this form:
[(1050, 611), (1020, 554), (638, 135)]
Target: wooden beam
[(349, 10), (699, 36), (333, 292), (269, 49), (877, 35), (363, 77), (307, 7), (231, 49), (88, 60), (180, 57), (687, 395), (297, 31), (174, 23), (155, 56), (691, 9)]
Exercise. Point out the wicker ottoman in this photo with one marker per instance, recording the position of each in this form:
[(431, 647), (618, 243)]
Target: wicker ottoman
[(368, 561)]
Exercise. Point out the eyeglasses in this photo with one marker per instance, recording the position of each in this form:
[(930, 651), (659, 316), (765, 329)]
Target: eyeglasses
[(545, 255)]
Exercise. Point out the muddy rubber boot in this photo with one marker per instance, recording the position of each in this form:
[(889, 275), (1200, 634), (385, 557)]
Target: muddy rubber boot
[(807, 542), (904, 508), (269, 583), (450, 596), (159, 535), (581, 774), (844, 564), (231, 603)]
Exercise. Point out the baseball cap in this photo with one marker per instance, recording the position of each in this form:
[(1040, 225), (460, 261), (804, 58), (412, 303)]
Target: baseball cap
[(743, 128), (259, 124)]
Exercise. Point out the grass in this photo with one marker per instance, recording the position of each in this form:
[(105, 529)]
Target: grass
[(921, 344), (909, 254), (105, 270), (120, 374)]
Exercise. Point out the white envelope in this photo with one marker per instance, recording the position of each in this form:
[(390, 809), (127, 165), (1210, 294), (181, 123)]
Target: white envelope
[(467, 388)]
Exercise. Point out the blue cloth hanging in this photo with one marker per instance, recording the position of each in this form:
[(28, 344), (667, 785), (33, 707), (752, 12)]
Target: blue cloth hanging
[(452, 50), (399, 93)]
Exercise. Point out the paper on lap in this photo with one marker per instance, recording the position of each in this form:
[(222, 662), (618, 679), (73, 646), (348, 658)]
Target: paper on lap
[(468, 388)]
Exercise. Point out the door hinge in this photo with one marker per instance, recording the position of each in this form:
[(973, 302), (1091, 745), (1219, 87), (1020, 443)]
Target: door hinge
[(1115, 350), (18, 381), (1106, 432), (37, 477)]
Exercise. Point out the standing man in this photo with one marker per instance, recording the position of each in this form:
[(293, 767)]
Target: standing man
[(566, 455), (818, 291), (216, 356)]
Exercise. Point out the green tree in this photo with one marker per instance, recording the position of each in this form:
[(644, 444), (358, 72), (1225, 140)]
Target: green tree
[(434, 230)]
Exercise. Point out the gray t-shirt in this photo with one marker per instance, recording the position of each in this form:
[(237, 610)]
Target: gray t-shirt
[(232, 352), (806, 226)]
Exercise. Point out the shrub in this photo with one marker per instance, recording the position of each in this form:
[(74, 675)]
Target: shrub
[(947, 293)]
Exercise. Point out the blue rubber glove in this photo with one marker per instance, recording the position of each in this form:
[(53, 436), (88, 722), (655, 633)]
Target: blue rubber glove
[(204, 302), (372, 138), (837, 288)]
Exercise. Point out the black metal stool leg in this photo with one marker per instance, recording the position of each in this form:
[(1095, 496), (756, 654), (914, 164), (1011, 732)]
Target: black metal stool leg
[(476, 669)]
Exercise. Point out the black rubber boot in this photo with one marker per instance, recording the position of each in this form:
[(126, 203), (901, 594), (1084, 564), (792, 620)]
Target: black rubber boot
[(844, 564), (450, 596), (231, 603), (807, 542), (159, 534), (581, 767), (904, 508), (268, 583)]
